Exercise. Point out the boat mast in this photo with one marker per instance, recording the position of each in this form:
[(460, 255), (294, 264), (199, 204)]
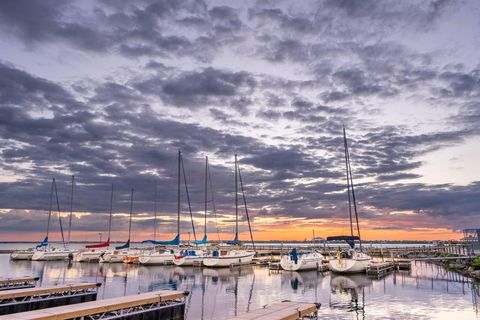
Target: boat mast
[(155, 212), (71, 211), (206, 187), (354, 200), (178, 196), (130, 220), (236, 199), (348, 181), (111, 213), (59, 215), (50, 208)]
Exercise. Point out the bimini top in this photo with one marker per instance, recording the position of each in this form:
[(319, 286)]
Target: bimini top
[(348, 239)]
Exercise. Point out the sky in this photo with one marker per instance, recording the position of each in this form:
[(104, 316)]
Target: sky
[(109, 91)]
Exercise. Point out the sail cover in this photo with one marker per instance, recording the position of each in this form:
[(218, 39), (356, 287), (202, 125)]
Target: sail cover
[(125, 246), (348, 239), (43, 244), (201, 242), (99, 245), (174, 242), (234, 241)]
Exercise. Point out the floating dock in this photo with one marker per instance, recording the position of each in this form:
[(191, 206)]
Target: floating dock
[(380, 269), (165, 304), (21, 300), (288, 310), (18, 283)]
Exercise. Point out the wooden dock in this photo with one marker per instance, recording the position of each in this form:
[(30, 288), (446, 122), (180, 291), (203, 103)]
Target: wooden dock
[(27, 299), (288, 310), (165, 304), (17, 283), (380, 269)]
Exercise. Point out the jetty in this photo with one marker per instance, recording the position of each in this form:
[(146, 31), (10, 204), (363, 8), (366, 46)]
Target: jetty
[(27, 299), (287, 310), (164, 304), (18, 283)]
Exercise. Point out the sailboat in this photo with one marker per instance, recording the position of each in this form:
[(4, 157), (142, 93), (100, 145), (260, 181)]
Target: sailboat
[(195, 256), (165, 256), (350, 260), (300, 261), (227, 257), (117, 255), (45, 252), (93, 252)]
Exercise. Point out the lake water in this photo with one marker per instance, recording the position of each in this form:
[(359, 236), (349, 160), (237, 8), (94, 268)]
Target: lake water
[(427, 292)]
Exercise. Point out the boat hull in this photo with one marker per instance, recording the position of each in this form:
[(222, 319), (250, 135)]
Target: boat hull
[(112, 257), (50, 255), (349, 265), (188, 261), (228, 260), (156, 259), (21, 255), (305, 262), (88, 256)]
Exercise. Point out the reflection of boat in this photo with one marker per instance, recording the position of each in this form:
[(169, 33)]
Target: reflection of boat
[(296, 261), (226, 273), (22, 254), (157, 258), (223, 258), (353, 281), (350, 261)]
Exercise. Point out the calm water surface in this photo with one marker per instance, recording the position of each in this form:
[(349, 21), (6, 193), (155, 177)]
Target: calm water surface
[(427, 292)]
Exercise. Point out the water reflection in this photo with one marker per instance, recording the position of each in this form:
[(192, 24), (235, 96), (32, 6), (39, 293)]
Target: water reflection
[(427, 291)]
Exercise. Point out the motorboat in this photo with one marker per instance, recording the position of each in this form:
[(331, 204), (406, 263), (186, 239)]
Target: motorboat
[(226, 258), (157, 258), (298, 261), (22, 254), (92, 255), (113, 256), (50, 254)]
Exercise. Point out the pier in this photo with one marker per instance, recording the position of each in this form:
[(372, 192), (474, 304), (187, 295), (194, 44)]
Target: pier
[(287, 310), (163, 304), (21, 300), (18, 283)]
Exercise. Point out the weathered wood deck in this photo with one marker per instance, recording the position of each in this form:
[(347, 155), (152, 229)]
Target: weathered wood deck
[(96, 309), (287, 310), (16, 283)]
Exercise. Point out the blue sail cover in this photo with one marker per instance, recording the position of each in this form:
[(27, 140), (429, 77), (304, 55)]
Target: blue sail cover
[(174, 242), (235, 240), (125, 246), (201, 242), (43, 244), (348, 239)]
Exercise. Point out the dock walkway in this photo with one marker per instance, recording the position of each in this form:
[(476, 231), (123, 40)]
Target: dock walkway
[(288, 310), (18, 283), (21, 300), (164, 304)]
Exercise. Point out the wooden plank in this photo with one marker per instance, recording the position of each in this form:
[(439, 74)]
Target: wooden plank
[(280, 311), (4, 281), (99, 306), (17, 293)]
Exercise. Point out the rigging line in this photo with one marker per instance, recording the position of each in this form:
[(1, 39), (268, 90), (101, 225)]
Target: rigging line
[(213, 202), (50, 208), (188, 198), (130, 220), (348, 182), (71, 211), (246, 208), (58, 208), (111, 213), (354, 200)]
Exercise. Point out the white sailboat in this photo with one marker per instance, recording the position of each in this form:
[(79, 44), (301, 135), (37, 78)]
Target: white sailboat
[(189, 257), (157, 257), (45, 252), (350, 261), (228, 257), (299, 261), (22, 254)]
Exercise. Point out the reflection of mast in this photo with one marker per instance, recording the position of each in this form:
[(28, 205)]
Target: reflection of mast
[(251, 293)]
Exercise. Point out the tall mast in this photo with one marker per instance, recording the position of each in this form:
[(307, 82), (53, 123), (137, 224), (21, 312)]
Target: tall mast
[(130, 221), (155, 211), (354, 200), (178, 194), (71, 211), (59, 214), (50, 208), (348, 181), (206, 187), (111, 213), (236, 198)]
